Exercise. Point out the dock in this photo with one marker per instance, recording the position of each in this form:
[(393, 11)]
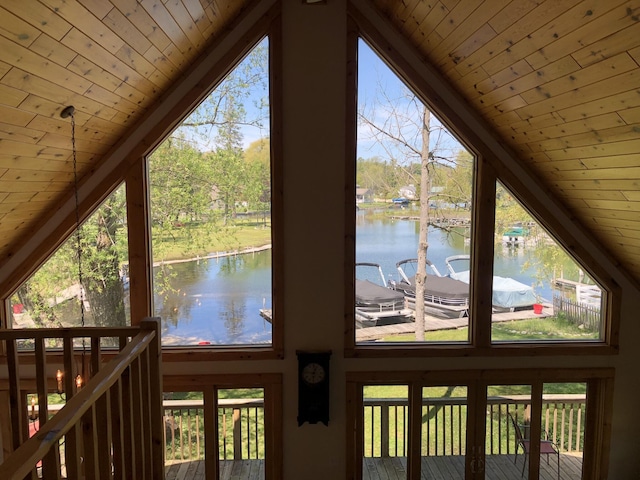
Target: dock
[(431, 322)]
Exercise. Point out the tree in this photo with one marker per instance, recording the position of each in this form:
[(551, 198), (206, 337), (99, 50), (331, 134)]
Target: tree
[(96, 263), (103, 256), (423, 242), (405, 130)]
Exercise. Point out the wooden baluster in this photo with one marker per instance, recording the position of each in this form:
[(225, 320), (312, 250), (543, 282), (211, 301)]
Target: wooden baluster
[(90, 443), (384, 431), (117, 434), (127, 423), (570, 428), (198, 435), (72, 445), (579, 428), (51, 460), (145, 415), (16, 406), (102, 414), (180, 436), (562, 425), (189, 441), (137, 406), (155, 393)]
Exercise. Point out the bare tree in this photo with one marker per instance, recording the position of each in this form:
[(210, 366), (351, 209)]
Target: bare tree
[(423, 241), (403, 129)]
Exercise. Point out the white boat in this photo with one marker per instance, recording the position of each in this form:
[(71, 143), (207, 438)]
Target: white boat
[(508, 293)]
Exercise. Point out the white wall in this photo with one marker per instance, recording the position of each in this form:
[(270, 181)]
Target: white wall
[(314, 111)]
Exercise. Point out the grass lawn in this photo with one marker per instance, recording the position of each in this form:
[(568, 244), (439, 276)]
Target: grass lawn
[(549, 328), (189, 241)]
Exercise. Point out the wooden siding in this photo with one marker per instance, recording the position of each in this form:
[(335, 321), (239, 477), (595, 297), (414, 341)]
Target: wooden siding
[(559, 81)]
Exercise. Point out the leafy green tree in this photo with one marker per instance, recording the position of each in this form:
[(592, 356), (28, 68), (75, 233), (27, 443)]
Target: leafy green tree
[(103, 253), (98, 263)]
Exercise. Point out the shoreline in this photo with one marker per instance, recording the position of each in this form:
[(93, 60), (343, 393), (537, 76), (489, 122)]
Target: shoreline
[(230, 253)]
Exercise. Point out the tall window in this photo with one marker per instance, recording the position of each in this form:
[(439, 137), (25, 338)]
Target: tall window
[(94, 272), (414, 187), (211, 215)]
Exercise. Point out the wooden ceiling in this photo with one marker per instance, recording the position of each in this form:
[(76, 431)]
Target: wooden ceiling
[(559, 80)]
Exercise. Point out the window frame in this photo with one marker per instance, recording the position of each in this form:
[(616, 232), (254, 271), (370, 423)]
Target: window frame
[(437, 95), (268, 26)]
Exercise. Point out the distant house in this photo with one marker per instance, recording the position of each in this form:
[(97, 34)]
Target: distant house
[(408, 192), (364, 195)]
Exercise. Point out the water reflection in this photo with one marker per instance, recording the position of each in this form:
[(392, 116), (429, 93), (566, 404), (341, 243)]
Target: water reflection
[(215, 301), (219, 300)]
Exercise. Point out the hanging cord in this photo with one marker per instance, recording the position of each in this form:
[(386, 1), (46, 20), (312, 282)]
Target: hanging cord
[(69, 112)]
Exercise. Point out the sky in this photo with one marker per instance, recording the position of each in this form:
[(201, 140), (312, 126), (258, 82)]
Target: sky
[(379, 90)]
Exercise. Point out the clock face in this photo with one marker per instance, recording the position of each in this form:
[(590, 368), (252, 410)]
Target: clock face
[(313, 373)]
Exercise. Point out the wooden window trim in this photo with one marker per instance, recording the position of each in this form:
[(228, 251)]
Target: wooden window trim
[(270, 27), (491, 158)]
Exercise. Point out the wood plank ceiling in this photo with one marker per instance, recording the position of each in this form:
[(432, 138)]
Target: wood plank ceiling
[(111, 60), (559, 80)]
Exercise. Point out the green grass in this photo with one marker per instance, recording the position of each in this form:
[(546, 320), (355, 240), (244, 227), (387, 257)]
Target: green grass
[(535, 329), (192, 240)]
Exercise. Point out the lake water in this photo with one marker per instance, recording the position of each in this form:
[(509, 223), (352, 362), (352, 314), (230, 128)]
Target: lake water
[(219, 300)]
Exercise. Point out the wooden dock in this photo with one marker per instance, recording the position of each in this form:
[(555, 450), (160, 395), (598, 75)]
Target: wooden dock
[(433, 323)]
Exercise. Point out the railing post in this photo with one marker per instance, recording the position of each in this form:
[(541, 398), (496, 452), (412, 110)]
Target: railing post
[(384, 430), (155, 391), (237, 434)]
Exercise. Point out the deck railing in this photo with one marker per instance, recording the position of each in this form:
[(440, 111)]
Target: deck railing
[(241, 426), (444, 424), (111, 425)]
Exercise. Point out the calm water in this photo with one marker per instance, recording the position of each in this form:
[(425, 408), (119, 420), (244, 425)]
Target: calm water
[(219, 300), (216, 301)]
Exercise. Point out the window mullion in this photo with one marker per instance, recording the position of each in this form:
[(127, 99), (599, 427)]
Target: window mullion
[(482, 254), (415, 432)]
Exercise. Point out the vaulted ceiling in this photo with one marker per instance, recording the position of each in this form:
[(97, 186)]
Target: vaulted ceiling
[(558, 80)]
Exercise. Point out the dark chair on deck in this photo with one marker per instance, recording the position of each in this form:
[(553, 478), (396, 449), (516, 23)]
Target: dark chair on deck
[(547, 447)]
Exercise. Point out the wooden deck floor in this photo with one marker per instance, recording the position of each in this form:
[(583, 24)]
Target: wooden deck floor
[(229, 470), (432, 323), (498, 467)]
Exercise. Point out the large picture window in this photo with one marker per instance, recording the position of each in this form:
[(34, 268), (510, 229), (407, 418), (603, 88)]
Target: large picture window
[(539, 292), (414, 197), (210, 185), (421, 217)]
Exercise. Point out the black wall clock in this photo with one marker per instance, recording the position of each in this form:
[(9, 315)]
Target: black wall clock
[(313, 386)]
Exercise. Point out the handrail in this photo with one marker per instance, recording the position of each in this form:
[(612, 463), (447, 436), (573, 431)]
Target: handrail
[(139, 358)]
